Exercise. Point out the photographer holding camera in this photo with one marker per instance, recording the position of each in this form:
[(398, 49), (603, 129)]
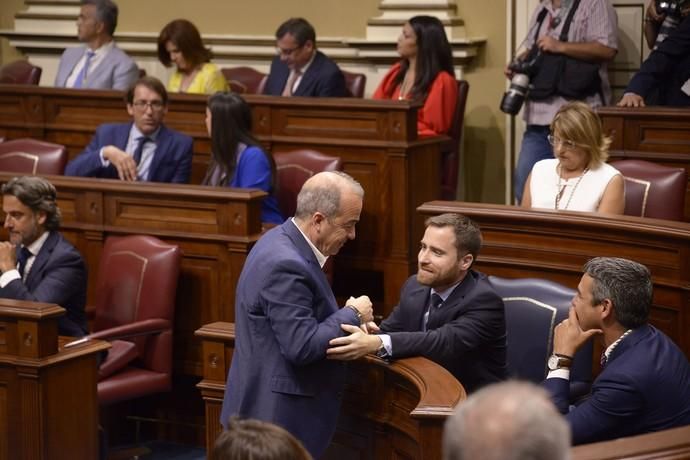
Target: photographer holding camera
[(564, 37), (664, 77)]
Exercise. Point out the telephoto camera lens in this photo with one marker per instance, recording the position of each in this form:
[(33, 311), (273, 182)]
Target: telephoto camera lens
[(515, 96)]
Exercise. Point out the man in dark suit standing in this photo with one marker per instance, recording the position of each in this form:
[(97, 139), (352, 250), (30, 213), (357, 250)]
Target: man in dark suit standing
[(644, 384), (448, 312), (300, 69), (285, 314), (38, 264), (143, 150)]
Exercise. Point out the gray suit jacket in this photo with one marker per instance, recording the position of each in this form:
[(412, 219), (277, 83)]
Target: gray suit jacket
[(116, 71)]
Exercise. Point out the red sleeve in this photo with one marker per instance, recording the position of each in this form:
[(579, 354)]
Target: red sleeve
[(437, 114), (386, 85)]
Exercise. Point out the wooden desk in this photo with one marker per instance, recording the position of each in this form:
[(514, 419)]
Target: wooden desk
[(214, 227), (376, 140), (673, 444), (656, 134), (522, 243), (392, 410), (48, 401)]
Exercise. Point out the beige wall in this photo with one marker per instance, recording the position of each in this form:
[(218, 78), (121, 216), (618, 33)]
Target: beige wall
[(332, 18), (8, 8)]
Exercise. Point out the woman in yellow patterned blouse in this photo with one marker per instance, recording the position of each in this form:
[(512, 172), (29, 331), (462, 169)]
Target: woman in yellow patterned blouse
[(179, 43)]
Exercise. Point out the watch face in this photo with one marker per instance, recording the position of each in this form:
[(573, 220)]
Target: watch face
[(553, 362)]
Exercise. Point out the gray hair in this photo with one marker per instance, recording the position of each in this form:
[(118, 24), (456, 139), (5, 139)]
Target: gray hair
[(321, 193), (627, 284), (37, 194), (507, 421), (106, 12)]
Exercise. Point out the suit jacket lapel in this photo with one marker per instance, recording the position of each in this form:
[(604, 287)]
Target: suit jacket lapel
[(309, 78), (72, 60), (162, 145), (42, 258), (99, 72), (454, 301), (419, 299)]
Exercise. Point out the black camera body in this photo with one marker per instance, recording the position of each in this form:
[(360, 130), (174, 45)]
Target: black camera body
[(524, 70), (669, 7)]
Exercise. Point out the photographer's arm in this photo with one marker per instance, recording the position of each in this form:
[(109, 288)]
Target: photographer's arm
[(588, 51)]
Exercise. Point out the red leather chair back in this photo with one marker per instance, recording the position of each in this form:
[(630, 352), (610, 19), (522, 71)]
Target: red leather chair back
[(355, 83), (450, 151), (653, 190), (20, 73), (245, 80), (293, 169), (137, 281), (30, 156)]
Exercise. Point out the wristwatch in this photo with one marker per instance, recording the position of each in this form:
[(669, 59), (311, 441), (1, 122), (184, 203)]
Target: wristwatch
[(558, 361)]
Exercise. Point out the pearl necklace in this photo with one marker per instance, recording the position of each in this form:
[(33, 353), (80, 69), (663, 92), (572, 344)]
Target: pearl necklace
[(561, 187)]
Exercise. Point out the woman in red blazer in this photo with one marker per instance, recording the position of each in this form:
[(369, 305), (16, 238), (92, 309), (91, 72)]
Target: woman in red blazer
[(425, 73)]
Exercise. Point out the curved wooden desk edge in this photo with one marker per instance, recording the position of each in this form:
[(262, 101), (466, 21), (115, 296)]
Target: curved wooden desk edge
[(663, 445)]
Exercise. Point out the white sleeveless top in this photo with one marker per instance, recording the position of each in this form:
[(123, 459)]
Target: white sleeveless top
[(582, 193)]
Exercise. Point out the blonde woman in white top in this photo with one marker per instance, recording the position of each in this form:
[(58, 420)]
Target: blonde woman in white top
[(578, 178)]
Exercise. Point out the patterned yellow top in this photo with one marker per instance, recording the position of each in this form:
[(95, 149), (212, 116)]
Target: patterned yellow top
[(207, 81)]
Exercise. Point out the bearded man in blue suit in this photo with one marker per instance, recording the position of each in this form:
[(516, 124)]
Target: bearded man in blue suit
[(285, 314), (644, 384), (144, 150)]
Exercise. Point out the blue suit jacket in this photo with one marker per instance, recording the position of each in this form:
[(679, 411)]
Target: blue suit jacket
[(285, 314), (666, 69), (116, 71), (58, 275), (644, 387), (323, 78), (466, 335), (172, 161)]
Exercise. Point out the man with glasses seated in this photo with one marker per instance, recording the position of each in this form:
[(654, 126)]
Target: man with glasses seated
[(299, 69), (143, 150)]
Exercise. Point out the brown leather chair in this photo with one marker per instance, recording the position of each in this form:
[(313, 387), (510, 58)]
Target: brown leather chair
[(20, 73), (136, 286), (355, 83), (245, 80), (31, 156), (653, 190), (450, 151), (293, 169)]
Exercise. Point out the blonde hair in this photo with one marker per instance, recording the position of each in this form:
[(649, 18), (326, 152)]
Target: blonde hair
[(577, 122)]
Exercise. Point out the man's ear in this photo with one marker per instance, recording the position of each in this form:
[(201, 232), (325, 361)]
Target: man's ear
[(607, 311), (466, 261), (41, 217), (317, 219)]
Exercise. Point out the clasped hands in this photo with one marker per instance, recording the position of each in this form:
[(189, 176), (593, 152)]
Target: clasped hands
[(361, 340)]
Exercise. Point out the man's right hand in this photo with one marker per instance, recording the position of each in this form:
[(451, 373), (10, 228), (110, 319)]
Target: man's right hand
[(8, 256), (631, 100), (652, 14), (363, 306), (123, 162)]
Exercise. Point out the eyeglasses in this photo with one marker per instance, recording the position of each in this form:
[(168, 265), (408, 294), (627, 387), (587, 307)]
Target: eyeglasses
[(283, 52), (141, 106), (565, 143)]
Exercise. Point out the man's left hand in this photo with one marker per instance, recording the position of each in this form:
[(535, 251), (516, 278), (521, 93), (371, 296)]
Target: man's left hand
[(550, 44), (8, 256), (352, 346)]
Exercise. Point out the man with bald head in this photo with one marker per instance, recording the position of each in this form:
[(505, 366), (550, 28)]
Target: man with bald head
[(286, 313)]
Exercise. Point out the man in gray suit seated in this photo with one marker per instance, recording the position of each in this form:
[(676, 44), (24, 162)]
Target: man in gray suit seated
[(99, 63)]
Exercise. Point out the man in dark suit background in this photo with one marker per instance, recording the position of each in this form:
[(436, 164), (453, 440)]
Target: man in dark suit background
[(285, 314), (300, 69), (143, 150), (644, 384), (448, 312), (38, 264)]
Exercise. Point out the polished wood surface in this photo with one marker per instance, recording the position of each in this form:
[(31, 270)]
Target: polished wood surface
[(657, 134), (214, 227), (390, 410), (377, 141), (521, 243), (48, 401), (671, 444)]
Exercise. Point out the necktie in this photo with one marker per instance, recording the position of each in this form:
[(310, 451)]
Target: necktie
[(140, 148), (436, 301), (81, 77), (287, 91), (23, 256)]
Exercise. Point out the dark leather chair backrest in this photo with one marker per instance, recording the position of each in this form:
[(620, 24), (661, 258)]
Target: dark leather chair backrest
[(20, 73), (653, 190), (245, 80), (31, 156), (293, 169), (450, 151), (355, 83), (533, 308)]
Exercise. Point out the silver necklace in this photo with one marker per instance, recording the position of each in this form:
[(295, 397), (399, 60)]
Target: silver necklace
[(561, 188)]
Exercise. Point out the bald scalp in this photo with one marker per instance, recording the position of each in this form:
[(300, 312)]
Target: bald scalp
[(322, 193)]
